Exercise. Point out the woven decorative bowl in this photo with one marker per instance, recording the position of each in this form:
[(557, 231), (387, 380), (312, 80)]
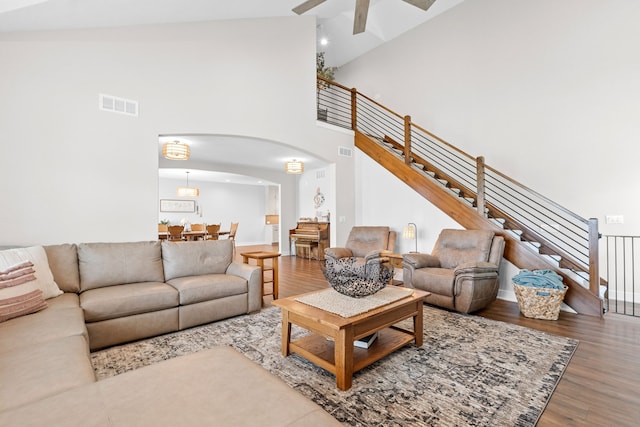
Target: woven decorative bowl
[(348, 279)]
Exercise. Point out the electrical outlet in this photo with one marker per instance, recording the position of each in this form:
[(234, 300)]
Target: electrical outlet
[(342, 219), (614, 219)]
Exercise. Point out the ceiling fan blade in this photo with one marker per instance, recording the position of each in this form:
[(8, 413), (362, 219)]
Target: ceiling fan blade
[(307, 5), (422, 4), (360, 18)]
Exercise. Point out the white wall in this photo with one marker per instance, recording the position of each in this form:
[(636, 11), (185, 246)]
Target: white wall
[(71, 173), (222, 203), (383, 199), (309, 183), (547, 91)]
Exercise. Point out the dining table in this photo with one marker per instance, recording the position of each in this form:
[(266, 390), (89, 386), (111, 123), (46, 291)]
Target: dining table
[(186, 235)]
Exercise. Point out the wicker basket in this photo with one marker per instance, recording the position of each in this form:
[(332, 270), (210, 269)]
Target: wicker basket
[(539, 303)]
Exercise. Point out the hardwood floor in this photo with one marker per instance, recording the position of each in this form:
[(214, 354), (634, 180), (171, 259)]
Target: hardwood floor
[(600, 387)]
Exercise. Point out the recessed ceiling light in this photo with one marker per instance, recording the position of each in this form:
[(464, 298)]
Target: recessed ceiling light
[(324, 41)]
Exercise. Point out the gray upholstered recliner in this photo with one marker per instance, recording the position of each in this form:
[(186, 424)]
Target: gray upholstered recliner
[(369, 245), (462, 271)]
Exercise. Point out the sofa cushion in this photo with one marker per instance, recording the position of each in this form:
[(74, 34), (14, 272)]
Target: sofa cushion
[(18, 293), (126, 300), (37, 255), (63, 261), (109, 264), (36, 371), (182, 259), (207, 287), (456, 246), (22, 304), (215, 387), (17, 274), (61, 319)]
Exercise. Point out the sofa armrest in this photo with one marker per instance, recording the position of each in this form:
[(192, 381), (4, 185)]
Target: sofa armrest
[(253, 275), (421, 260), (475, 267), (337, 253)]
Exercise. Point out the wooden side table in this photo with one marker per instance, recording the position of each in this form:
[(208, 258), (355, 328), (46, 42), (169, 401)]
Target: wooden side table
[(396, 261), (260, 256)]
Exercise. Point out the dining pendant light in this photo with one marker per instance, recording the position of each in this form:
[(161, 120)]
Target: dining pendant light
[(175, 150), (187, 191), (294, 167)]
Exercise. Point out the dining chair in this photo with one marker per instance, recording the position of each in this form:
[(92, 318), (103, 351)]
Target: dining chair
[(163, 231), (175, 232), (212, 231), (199, 228), (232, 235), (233, 230)]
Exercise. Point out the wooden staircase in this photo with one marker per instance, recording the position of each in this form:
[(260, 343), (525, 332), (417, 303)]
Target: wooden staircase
[(539, 233), (520, 250)]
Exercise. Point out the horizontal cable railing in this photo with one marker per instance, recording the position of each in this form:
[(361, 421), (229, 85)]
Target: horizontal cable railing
[(623, 274), (334, 103), (377, 122), (565, 232), (555, 230), (451, 162)]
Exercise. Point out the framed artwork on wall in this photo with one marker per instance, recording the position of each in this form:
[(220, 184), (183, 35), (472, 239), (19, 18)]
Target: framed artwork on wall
[(177, 205)]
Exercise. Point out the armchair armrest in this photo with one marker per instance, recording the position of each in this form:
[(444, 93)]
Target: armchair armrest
[(337, 253), (376, 254), (475, 267), (421, 260)]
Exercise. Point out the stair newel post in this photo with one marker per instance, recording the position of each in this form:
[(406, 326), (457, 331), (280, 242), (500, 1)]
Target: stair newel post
[(407, 139), (354, 109), (594, 242), (480, 203)]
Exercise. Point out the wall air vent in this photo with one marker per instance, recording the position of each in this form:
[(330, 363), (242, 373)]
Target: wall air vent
[(345, 152), (118, 105)]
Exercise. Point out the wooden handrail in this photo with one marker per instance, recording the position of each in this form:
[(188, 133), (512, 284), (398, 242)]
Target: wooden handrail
[(380, 105)]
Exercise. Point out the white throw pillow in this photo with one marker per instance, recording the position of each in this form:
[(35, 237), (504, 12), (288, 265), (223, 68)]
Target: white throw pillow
[(36, 254)]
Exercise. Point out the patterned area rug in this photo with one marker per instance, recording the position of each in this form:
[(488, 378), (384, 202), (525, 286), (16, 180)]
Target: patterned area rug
[(470, 370)]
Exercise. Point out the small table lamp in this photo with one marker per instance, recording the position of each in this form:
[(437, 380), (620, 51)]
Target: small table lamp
[(411, 232)]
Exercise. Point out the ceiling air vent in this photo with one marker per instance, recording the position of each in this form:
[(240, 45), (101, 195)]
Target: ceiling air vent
[(345, 152), (118, 105)]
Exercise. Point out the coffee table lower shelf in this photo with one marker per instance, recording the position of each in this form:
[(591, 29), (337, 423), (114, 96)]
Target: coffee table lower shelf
[(330, 342), (321, 351)]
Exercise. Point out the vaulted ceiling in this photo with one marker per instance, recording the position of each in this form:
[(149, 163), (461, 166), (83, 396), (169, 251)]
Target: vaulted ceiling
[(386, 20)]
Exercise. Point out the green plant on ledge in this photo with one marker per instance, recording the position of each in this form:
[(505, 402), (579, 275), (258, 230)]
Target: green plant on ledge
[(324, 72)]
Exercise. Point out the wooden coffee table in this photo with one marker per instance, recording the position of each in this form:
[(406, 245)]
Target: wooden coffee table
[(337, 354)]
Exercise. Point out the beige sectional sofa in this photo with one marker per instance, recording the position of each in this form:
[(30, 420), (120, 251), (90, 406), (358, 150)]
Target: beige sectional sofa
[(119, 292)]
